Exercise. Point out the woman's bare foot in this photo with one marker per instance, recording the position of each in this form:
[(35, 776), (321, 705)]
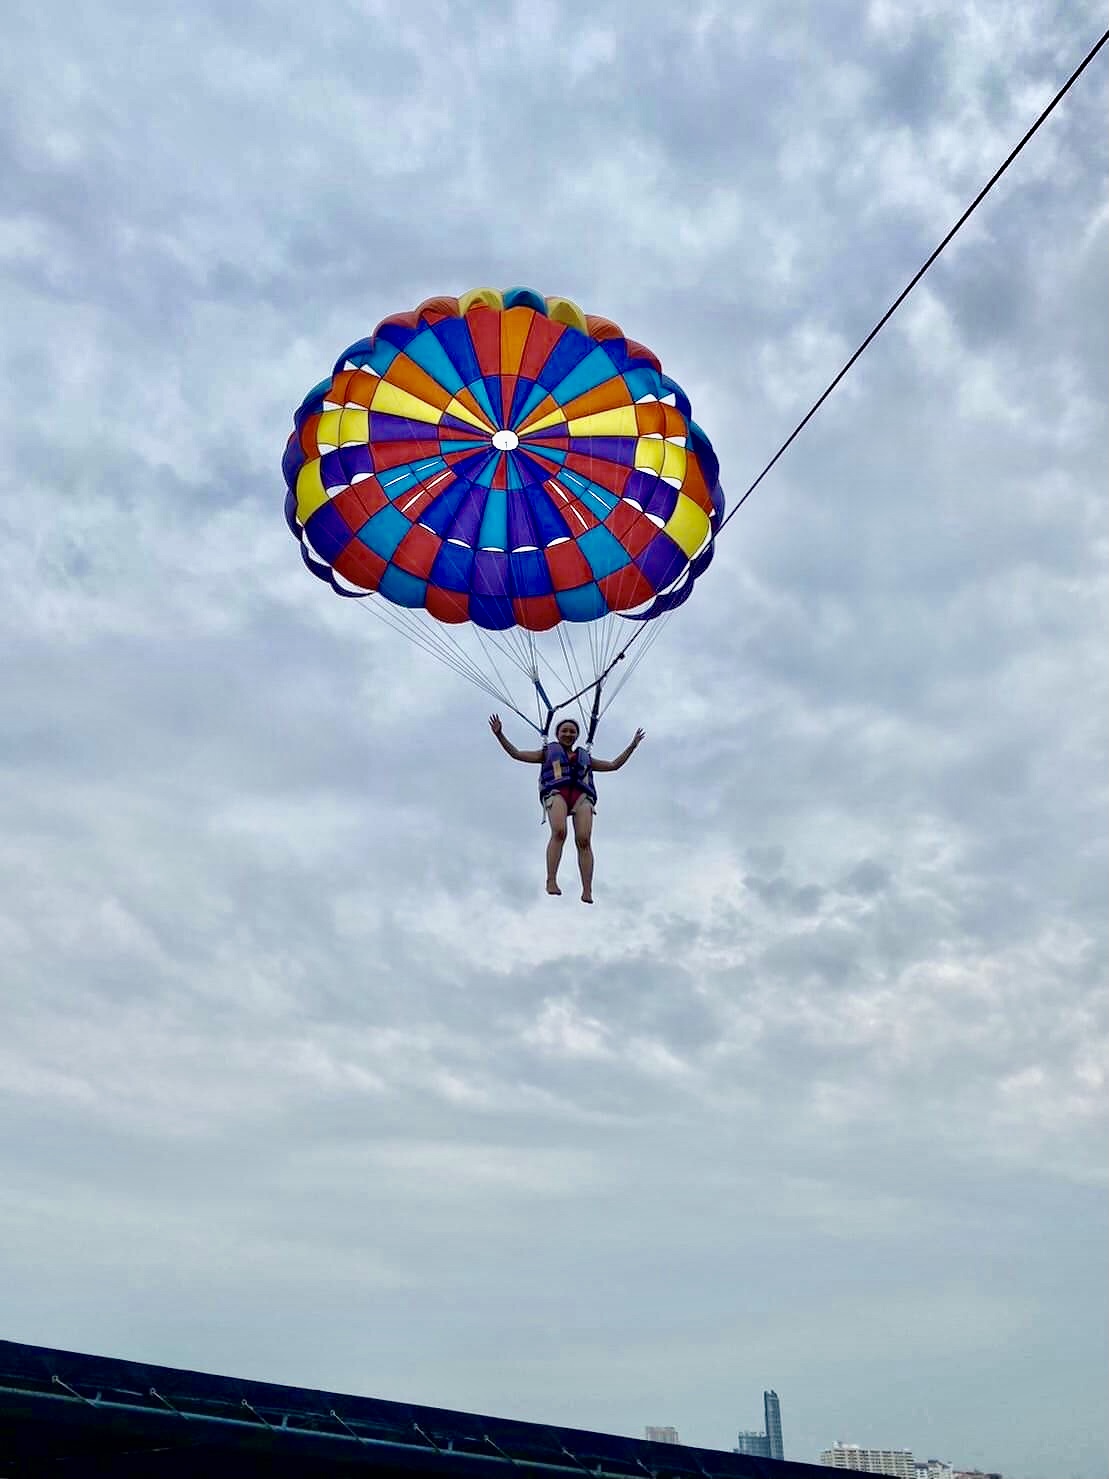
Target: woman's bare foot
[(587, 897), (552, 887)]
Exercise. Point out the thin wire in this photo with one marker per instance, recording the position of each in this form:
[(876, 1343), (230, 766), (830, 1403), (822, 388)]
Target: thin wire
[(892, 309)]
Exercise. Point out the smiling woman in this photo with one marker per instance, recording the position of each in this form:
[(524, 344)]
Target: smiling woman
[(502, 470)]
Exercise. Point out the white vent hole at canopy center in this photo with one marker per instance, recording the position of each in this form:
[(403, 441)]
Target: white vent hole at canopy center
[(505, 441)]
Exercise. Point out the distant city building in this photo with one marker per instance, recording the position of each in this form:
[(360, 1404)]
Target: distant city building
[(772, 1412), (661, 1435), (754, 1443), (896, 1461), (933, 1468), (768, 1444)]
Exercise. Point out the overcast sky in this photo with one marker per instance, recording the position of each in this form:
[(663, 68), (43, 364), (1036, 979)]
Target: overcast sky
[(302, 1076)]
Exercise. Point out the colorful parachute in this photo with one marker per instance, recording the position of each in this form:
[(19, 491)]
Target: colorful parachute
[(504, 468)]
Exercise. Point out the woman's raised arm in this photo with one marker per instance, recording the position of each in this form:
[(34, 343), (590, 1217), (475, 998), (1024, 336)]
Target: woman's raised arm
[(530, 757)]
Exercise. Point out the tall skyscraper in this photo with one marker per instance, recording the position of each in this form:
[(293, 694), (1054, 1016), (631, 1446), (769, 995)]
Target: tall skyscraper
[(772, 1411), (768, 1444)]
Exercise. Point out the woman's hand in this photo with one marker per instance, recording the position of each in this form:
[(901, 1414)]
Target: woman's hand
[(495, 724)]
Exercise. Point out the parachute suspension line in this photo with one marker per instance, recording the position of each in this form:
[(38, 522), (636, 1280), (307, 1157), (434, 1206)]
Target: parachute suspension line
[(652, 629), (543, 703), (574, 672), (655, 631), (566, 680), (595, 645), (486, 647), (619, 644), (528, 663), (616, 637), (563, 647), (569, 657), (514, 649), (421, 635), (614, 627), (498, 641), (455, 655), (527, 642), (446, 640), (516, 645), (533, 658), (619, 631), (516, 653), (602, 670), (599, 636), (544, 663), (424, 638), (447, 635), (514, 640), (541, 699), (458, 663), (897, 302), (601, 642)]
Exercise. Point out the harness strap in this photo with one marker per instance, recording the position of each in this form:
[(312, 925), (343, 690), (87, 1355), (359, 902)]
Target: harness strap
[(595, 716)]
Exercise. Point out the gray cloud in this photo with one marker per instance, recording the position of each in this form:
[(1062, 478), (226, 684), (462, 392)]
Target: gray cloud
[(302, 1075)]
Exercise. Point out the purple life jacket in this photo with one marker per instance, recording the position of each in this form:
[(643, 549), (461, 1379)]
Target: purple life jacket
[(561, 768)]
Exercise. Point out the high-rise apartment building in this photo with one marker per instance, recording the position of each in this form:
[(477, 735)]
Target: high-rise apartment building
[(755, 1443), (933, 1468), (895, 1461), (661, 1435), (772, 1411)]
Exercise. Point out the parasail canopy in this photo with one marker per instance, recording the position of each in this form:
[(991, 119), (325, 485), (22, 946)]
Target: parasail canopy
[(514, 482)]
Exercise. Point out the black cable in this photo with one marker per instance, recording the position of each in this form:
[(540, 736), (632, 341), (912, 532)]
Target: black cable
[(891, 310)]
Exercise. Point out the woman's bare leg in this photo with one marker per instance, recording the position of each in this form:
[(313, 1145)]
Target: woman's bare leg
[(583, 836), (556, 815)]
